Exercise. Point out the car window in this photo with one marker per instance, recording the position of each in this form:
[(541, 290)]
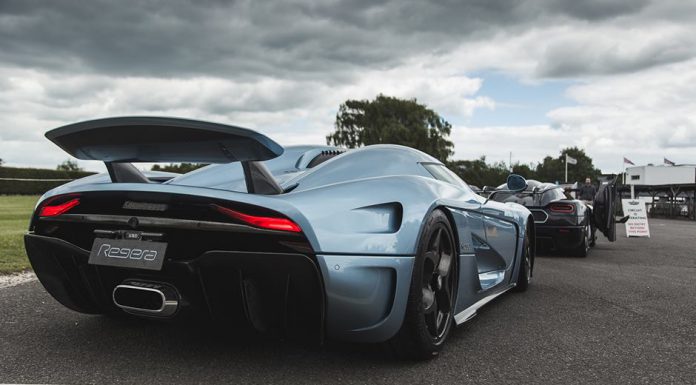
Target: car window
[(440, 172), (523, 198), (551, 195), (527, 198)]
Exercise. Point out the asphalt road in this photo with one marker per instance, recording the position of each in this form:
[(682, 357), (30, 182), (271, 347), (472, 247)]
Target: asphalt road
[(625, 314)]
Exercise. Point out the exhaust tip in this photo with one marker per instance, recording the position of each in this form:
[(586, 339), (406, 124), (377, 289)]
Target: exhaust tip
[(146, 298)]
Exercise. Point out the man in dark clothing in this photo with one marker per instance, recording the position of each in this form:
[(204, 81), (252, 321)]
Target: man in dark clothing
[(587, 191)]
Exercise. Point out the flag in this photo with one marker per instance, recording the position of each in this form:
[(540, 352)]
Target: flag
[(570, 160), (628, 161), (669, 162)]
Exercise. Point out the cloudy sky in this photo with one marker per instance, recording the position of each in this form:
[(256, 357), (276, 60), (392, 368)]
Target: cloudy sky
[(531, 77)]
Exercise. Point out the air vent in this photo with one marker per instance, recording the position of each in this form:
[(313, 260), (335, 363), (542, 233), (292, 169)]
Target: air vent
[(323, 157)]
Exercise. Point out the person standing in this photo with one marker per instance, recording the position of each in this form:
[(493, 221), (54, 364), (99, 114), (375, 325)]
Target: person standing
[(587, 194), (588, 191)]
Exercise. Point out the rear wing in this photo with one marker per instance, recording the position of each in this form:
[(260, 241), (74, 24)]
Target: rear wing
[(119, 141)]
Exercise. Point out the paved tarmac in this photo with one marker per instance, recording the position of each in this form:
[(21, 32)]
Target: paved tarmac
[(625, 314)]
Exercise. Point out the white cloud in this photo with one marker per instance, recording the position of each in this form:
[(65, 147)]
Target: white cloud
[(527, 143), (290, 111), (644, 116), (285, 73)]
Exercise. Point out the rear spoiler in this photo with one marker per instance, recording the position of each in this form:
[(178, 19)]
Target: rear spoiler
[(119, 141)]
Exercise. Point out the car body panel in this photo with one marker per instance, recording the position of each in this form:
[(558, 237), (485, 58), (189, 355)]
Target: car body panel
[(361, 214)]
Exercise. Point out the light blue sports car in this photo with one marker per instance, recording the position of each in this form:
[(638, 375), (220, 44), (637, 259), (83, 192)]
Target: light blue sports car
[(377, 244)]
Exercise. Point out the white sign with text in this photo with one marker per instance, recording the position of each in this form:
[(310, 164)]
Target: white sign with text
[(637, 224)]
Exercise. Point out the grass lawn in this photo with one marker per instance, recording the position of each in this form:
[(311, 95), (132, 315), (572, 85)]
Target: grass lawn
[(14, 221)]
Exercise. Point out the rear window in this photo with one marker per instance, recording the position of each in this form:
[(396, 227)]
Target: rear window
[(527, 198), (444, 174), (552, 195)]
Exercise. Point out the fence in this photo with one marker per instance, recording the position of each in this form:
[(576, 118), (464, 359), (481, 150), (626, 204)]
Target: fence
[(33, 181), (661, 203)]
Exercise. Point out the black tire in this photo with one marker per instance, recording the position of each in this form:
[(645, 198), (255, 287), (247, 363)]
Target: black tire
[(524, 275), (584, 248), (593, 236), (430, 308)]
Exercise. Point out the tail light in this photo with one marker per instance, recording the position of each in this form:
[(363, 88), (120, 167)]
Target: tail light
[(562, 208), (58, 205), (270, 223)]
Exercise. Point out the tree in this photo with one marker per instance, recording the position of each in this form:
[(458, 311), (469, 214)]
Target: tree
[(391, 120), (180, 168), (479, 173), (553, 169), (69, 165), (1, 162), (525, 170)]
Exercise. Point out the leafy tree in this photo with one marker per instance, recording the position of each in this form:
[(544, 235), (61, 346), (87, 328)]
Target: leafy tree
[(69, 165), (524, 170), (180, 168), (553, 169), (479, 173), (391, 120)]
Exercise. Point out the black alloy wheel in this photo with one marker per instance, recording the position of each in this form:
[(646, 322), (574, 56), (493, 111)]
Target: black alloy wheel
[(584, 248), (524, 277), (430, 309), (437, 283)]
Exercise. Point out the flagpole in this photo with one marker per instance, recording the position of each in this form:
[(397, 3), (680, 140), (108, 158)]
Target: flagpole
[(624, 169), (566, 168)]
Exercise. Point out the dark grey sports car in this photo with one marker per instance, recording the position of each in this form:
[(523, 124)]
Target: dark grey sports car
[(564, 224)]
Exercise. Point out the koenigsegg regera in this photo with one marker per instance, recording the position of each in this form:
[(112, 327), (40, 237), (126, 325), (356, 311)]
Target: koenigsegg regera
[(381, 243)]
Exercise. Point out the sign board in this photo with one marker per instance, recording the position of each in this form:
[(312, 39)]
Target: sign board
[(637, 224)]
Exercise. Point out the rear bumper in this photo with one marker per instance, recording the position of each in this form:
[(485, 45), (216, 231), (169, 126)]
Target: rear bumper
[(559, 237), (357, 298), (366, 295)]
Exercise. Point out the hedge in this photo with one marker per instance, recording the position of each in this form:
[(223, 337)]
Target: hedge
[(19, 187)]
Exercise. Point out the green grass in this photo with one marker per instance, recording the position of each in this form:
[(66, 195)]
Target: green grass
[(15, 211)]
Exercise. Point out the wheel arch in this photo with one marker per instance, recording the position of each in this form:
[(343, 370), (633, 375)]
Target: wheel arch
[(532, 238), (452, 222)]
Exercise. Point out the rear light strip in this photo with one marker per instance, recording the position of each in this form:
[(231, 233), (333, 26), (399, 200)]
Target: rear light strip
[(562, 208), (270, 223), (55, 210)]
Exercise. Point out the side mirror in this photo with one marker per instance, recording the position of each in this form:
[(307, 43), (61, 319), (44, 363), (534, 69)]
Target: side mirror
[(516, 183)]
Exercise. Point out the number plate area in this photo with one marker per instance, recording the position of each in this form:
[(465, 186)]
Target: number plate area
[(136, 254)]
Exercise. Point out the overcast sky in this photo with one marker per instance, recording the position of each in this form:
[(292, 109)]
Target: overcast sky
[(617, 78)]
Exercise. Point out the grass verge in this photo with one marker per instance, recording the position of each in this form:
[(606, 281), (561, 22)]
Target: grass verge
[(15, 211)]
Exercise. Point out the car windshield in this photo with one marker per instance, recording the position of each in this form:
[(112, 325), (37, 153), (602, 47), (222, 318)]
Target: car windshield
[(528, 197)]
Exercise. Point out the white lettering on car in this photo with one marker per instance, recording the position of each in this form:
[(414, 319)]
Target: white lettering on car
[(115, 252), (125, 253), (149, 255), (136, 254), (105, 248)]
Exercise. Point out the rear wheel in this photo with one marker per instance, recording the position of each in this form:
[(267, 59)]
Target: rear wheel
[(593, 235), (429, 312), (525, 273), (584, 248)]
